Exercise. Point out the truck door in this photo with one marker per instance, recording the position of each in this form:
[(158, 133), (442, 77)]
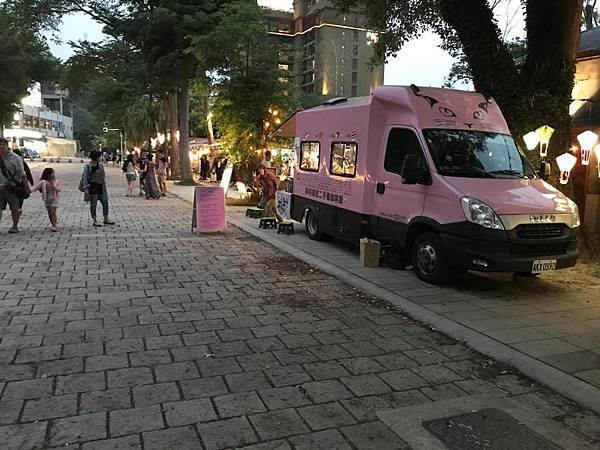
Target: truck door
[(396, 203)]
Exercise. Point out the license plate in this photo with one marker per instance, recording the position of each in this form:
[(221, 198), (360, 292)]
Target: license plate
[(543, 265)]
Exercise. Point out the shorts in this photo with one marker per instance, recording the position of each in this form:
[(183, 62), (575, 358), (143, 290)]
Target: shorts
[(131, 177), (9, 198)]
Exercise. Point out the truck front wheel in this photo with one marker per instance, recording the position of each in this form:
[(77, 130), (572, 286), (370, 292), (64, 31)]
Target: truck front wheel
[(429, 258), (311, 222)]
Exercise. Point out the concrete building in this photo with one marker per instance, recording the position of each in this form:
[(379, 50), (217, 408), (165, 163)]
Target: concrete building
[(44, 123), (332, 50)]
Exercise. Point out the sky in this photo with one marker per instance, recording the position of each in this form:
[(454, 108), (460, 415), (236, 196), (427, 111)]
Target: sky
[(421, 61)]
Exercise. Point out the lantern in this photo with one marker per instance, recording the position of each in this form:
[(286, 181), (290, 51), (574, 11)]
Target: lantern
[(544, 132), (531, 140), (587, 139), (565, 162)]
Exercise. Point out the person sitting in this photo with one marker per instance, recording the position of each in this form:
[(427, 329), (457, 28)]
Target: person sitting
[(268, 182)]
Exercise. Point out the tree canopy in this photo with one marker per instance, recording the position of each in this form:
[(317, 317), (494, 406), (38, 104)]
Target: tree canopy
[(532, 90)]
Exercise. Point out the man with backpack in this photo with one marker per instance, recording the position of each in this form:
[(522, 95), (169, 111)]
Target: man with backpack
[(13, 183), (268, 182)]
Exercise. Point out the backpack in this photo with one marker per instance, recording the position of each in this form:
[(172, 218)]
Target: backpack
[(124, 168)]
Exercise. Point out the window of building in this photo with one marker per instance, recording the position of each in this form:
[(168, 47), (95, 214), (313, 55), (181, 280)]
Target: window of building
[(401, 142), (354, 77), (310, 156), (354, 91), (356, 35), (354, 64), (343, 159)]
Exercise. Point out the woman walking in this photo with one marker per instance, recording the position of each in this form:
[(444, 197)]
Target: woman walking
[(161, 172), (152, 190), (93, 183), (50, 190), (130, 174)]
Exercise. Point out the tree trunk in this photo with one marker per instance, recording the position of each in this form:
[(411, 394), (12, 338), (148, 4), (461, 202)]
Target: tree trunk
[(173, 126), (184, 134), (493, 67), (209, 125), (548, 76), (588, 14)]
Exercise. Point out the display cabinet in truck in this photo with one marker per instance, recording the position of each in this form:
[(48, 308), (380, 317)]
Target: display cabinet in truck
[(434, 172)]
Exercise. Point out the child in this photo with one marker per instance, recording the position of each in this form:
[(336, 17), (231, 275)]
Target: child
[(50, 194)]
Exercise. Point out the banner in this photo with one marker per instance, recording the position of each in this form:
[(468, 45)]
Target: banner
[(209, 210), (284, 204)]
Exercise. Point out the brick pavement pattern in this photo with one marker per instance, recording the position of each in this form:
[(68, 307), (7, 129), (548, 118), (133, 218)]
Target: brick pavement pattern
[(147, 336)]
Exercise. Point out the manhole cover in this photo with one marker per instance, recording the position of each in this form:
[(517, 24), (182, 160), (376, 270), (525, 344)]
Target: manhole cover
[(486, 429)]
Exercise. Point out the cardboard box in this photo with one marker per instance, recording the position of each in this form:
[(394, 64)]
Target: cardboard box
[(370, 252)]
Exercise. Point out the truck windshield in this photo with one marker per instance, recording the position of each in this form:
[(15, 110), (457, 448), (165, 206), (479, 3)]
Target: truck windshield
[(476, 154)]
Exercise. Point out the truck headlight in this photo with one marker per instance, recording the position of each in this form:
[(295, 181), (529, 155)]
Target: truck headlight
[(575, 218), (478, 212)]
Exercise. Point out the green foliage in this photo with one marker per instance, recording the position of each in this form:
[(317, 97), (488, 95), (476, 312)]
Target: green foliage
[(252, 94), (25, 59), (532, 89)]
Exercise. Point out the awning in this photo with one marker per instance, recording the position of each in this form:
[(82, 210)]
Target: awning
[(287, 128)]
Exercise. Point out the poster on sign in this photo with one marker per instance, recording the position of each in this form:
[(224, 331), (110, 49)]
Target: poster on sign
[(284, 204), (209, 210), (226, 180)]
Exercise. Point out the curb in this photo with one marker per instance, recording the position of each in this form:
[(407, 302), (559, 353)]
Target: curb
[(559, 381)]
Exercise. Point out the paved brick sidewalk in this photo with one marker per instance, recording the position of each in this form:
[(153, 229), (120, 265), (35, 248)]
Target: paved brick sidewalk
[(144, 335)]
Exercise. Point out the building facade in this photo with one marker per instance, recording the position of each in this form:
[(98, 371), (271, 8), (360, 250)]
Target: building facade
[(332, 50), (585, 112), (44, 122)]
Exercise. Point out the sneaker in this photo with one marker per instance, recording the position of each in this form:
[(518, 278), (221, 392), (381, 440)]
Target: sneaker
[(108, 222), (13, 230)]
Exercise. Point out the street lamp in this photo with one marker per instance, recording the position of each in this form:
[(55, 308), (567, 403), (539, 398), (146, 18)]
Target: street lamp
[(544, 132), (587, 139), (532, 140), (106, 130), (565, 162)]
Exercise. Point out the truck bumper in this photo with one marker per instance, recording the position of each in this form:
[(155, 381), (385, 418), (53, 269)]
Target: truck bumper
[(509, 255)]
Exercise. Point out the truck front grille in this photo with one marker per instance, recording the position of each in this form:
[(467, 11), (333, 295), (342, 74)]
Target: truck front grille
[(541, 230), (539, 249)]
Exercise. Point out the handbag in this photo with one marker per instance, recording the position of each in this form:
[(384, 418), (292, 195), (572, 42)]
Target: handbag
[(18, 188)]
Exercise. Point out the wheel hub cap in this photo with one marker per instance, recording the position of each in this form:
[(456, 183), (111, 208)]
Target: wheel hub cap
[(426, 258)]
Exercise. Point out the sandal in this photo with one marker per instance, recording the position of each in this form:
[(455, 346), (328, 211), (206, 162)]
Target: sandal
[(97, 224), (106, 222), (13, 230)]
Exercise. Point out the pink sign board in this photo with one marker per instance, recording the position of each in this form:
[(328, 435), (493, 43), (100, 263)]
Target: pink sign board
[(209, 210)]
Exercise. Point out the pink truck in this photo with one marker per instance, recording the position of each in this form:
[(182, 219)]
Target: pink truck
[(434, 172)]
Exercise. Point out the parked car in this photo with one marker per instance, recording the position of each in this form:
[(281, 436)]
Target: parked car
[(434, 172)]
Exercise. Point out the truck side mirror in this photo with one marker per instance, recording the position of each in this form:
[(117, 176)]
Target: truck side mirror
[(545, 170), (411, 170)]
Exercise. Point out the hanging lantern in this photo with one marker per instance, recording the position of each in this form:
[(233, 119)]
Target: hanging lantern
[(587, 139), (565, 162), (531, 140), (544, 132)]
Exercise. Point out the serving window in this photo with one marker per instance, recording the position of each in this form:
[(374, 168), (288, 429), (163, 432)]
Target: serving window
[(343, 159), (310, 156)]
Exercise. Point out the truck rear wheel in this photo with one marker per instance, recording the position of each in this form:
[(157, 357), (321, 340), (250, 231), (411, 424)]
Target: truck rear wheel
[(429, 258), (311, 222)]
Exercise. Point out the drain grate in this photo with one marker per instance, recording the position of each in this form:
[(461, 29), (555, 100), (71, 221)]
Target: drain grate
[(491, 429)]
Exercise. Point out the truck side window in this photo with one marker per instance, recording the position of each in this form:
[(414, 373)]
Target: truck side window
[(343, 159), (310, 156), (401, 142)]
